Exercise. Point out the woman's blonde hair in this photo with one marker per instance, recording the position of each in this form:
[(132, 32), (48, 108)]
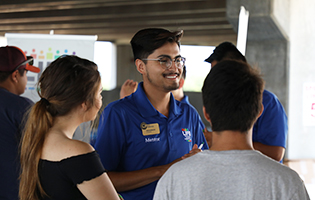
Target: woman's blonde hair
[(65, 84)]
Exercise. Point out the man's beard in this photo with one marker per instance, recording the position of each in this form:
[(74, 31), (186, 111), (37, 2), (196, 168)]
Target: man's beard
[(167, 88)]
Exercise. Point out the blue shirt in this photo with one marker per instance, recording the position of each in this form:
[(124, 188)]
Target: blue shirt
[(133, 135), (12, 109), (271, 128), (185, 99)]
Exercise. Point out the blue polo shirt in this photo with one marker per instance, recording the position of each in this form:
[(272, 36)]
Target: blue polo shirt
[(185, 100), (271, 128), (133, 135)]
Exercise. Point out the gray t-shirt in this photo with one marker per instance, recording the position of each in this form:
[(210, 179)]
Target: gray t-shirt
[(230, 175)]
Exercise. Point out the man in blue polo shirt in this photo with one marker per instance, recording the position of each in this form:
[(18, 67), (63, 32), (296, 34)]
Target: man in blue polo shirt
[(271, 128), (141, 136)]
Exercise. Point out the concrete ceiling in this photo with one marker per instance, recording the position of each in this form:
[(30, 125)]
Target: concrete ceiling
[(204, 21)]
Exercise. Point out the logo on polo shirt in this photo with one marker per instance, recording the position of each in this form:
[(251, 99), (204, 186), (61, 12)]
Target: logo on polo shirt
[(187, 135)]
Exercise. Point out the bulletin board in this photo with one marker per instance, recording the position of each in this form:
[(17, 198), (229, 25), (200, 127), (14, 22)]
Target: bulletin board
[(45, 48)]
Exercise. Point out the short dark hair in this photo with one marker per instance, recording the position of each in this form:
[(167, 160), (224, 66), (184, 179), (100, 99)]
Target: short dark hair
[(146, 41), (226, 50), (232, 95), (5, 75)]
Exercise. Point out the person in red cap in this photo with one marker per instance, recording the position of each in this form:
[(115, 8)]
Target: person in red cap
[(13, 68)]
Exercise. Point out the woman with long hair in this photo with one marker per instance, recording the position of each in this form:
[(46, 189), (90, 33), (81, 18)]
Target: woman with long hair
[(53, 165)]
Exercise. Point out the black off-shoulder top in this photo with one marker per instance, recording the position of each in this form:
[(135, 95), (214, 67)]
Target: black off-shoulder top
[(59, 179)]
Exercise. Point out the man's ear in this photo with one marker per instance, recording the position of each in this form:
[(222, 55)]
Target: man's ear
[(206, 114), (14, 76), (140, 66), (181, 83), (261, 111)]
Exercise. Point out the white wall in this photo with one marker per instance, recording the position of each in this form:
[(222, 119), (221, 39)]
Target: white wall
[(281, 15), (301, 141), (3, 41)]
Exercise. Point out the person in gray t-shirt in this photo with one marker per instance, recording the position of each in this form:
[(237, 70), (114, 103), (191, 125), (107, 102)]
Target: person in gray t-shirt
[(231, 168)]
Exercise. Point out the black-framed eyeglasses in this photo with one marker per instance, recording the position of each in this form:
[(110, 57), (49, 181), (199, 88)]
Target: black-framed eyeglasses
[(29, 59), (166, 62)]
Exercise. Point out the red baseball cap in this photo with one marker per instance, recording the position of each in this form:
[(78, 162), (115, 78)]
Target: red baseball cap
[(13, 58)]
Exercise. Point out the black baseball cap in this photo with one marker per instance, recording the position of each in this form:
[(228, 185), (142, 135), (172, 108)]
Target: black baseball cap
[(225, 50)]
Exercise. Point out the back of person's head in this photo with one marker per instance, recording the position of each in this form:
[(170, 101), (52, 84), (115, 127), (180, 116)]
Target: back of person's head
[(232, 96), (65, 84), (224, 51), (68, 82), (146, 41)]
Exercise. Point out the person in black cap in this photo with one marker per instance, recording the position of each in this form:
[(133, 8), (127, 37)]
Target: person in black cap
[(224, 51), (13, 68), (271, 128)]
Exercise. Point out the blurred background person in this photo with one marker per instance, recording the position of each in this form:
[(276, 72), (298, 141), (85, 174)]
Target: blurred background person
[(271, 128), (13, 68), (128, 87)]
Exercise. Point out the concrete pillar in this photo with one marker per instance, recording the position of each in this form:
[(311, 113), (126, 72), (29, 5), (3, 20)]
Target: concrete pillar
[(267, 46), (126, 68)]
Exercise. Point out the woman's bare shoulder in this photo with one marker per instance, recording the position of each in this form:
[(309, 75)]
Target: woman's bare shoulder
[(80, 147), (65, 148)]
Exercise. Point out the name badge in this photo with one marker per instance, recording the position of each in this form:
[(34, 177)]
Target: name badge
[(150, 129)]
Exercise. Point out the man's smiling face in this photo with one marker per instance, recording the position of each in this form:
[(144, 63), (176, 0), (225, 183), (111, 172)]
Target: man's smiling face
[(157, 75)]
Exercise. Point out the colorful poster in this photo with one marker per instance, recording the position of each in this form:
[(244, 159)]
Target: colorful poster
[(45, 48)]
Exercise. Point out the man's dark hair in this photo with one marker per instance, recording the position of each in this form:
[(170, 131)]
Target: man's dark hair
[(5, 75), (232, 95), (226, 50), (146, 41)]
